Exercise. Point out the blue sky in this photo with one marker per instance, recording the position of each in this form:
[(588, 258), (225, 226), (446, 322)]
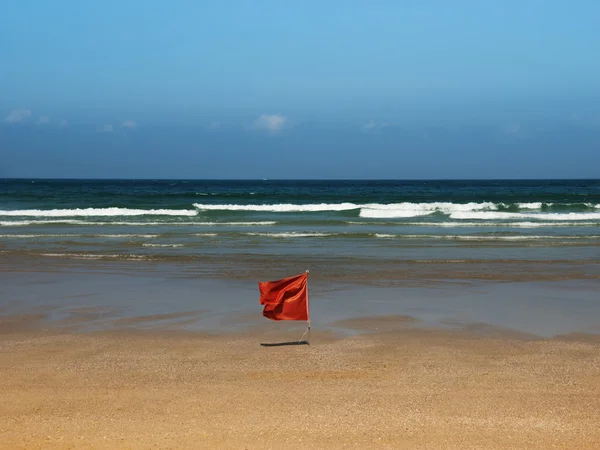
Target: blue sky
[(300, 89)]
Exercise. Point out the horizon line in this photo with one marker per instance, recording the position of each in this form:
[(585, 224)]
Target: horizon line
[(288, 179)]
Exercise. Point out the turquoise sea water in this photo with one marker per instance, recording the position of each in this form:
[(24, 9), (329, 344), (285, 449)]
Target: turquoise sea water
[(372, 220)]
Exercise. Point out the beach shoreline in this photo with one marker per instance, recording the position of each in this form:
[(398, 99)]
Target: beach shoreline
[(91, 295)]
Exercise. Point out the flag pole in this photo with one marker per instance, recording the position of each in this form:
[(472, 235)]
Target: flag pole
[(307, 308), (307, 332)]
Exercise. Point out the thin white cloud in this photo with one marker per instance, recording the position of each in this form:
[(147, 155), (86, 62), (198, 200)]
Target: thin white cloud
[(131, 124), (372, 127), (63, 123), (106, 129), (214, 125), (18, 115), (272, 123), (43, 120)]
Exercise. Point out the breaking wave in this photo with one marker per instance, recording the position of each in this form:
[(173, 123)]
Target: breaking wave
[(106, 236), (483, 237), (163, 245), (292, 234), (533, 205), (283, 207), (97, 212), (23, 223), (497, 215), (367, 210), (457, 224), (129, 257)]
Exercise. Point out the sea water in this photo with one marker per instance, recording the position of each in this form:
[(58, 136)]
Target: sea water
[(381, 220)]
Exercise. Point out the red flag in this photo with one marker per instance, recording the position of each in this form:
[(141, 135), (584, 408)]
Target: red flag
[(285, 299)]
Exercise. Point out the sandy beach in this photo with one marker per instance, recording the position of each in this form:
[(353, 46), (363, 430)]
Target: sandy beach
[(391, 386), (132, 355)]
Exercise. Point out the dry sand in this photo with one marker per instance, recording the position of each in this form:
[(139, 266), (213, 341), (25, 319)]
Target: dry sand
[(397, 388)]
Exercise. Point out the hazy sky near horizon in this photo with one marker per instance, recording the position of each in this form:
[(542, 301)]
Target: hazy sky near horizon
[(334, 89)]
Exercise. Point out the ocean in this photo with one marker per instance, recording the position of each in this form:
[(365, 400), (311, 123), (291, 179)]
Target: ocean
[(518, 254), (332, 222)]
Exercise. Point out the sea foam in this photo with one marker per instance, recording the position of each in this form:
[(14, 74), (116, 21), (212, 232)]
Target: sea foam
[(282, 207), (404, 210), (496, 215), (293, 234), (532, 205), (163, 245), (96, 212), (484, 237), (23, 223), (374, 210), (107, 236)]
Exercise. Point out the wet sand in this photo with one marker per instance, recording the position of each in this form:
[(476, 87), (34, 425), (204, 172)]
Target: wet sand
[(85, 296), (401, 387)]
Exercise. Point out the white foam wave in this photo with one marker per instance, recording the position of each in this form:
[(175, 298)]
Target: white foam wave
[(391, 214), (532, 205), (509, 224), (539, 205), (205, 234), (464, 224), (293, 234), (96, 212), (237, 224), (542, 224), (27, 236), (483, 238), (126, 236), (283, 207), (135, 224), (108, 236), (405, 210), (519, 238), (367, 210), (78, 256), (23, 223), (162, 245), (495, 215), (95, 256)]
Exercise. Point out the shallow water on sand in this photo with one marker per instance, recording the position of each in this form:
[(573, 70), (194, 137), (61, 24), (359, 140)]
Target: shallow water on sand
[(88, 296)]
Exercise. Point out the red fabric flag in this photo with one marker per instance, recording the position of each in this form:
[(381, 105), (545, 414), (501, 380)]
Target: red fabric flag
[(285, 299)]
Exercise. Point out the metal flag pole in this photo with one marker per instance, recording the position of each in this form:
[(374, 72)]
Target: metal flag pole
[(307, 315)]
